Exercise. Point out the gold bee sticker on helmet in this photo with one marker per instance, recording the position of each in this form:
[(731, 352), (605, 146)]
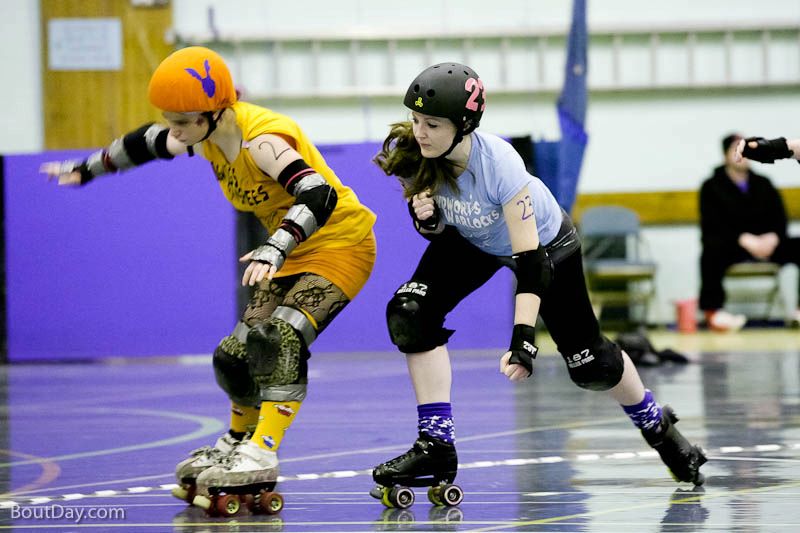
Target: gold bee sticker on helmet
[(418, 103)]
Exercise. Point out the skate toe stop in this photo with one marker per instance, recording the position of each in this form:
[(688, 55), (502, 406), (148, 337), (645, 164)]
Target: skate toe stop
[(202, 502)]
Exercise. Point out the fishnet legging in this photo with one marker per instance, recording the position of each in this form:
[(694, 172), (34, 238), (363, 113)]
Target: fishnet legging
[(311, 293)]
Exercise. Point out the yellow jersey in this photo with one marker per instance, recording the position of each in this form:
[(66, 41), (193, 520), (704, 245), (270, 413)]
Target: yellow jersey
[(249, 189)]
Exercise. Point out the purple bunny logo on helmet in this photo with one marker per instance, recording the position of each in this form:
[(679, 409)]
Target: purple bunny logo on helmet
[(209, 87)]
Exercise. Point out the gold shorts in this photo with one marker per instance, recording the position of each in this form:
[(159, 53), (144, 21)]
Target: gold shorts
[(347, 267)]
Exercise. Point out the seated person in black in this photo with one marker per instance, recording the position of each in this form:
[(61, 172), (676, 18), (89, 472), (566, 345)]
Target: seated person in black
[(742, 218)]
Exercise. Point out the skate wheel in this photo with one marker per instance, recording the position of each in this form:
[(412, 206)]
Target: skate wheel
[(435, 495), (271, 502), (401, 497), (228, 504), (202, 502), (451, 495)]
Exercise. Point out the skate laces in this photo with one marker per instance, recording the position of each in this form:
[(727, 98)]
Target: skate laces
[(212, 452), (244, 453), (415, 450)]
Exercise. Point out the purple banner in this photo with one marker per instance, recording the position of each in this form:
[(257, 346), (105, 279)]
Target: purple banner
[(144, 263)]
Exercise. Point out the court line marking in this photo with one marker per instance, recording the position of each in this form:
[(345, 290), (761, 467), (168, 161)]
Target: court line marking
[(329, 455), (627, 508), (340, 474), (208, 426), (50, 472)]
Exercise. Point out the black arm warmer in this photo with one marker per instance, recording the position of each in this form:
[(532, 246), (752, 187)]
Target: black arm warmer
[(293, 173)]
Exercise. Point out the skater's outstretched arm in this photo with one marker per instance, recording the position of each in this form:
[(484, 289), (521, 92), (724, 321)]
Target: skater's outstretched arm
[(149, 142), (533, 271), (315, 200)]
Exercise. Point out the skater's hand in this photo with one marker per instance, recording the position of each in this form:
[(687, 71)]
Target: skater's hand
[(423, 206), (256, 271), (738, 155), (762, 150), (66, 172), (513, 371)]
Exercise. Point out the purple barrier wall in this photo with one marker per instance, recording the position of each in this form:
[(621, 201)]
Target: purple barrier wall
[(135, 264), (144, 263)]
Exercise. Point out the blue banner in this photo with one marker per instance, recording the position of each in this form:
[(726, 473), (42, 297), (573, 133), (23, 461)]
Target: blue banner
[(572, 109)]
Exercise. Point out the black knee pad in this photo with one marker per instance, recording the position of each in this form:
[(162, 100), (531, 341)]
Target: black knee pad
[(598, 367), (412, 327), (278, 360), (233, 373)]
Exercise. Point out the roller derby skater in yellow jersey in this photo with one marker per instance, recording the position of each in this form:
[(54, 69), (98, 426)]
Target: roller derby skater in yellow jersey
[(319, 251)]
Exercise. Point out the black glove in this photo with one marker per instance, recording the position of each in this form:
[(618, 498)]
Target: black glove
[(523, 348), (767, 150), (429, 224)]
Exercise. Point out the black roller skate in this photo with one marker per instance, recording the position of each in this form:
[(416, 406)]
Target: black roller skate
[(681, 457), (429, 463)]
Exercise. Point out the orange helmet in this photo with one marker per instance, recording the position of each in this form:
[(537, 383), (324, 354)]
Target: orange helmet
[(193, 79)]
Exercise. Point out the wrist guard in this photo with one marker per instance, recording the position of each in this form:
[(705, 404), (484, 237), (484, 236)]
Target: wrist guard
[(767, 150), (429, 225), (82, 167), (274, 252), (523, 348)]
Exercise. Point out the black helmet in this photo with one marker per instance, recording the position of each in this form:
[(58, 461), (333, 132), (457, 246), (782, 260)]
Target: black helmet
[(449, 90)]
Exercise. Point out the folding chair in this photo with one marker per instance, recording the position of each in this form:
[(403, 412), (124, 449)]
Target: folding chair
[(739, 288), (617, 273)]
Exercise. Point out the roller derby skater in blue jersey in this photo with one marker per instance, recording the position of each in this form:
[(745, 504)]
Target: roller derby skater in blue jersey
[(447, 168)]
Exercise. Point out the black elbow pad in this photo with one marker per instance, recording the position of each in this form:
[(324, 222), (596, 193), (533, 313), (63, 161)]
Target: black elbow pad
[(534, 271)]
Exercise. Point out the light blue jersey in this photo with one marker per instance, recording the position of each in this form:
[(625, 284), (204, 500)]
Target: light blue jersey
[(495, 174)]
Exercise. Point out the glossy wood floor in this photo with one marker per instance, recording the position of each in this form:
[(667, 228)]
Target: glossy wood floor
[(94, 446)]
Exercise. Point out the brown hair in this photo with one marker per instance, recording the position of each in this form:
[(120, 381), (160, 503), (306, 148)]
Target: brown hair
[(401, 156)]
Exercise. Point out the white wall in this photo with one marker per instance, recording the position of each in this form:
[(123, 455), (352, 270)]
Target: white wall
[(638, 141), (21, 89)]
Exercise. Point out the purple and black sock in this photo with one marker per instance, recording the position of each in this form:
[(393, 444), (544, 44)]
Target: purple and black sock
[(646, 415), (436, 420)]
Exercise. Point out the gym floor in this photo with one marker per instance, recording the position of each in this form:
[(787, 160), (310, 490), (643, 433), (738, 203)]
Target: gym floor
[(94, 446)]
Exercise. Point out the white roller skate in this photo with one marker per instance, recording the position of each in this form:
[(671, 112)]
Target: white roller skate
[(199, 460), (246, 477)]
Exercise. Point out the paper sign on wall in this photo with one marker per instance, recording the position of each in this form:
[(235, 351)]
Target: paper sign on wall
[(84, 44)]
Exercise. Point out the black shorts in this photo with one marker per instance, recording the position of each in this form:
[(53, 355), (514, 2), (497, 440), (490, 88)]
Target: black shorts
[(453, 268)]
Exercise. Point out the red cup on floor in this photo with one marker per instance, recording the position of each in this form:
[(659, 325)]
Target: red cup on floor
[(686, 315)]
